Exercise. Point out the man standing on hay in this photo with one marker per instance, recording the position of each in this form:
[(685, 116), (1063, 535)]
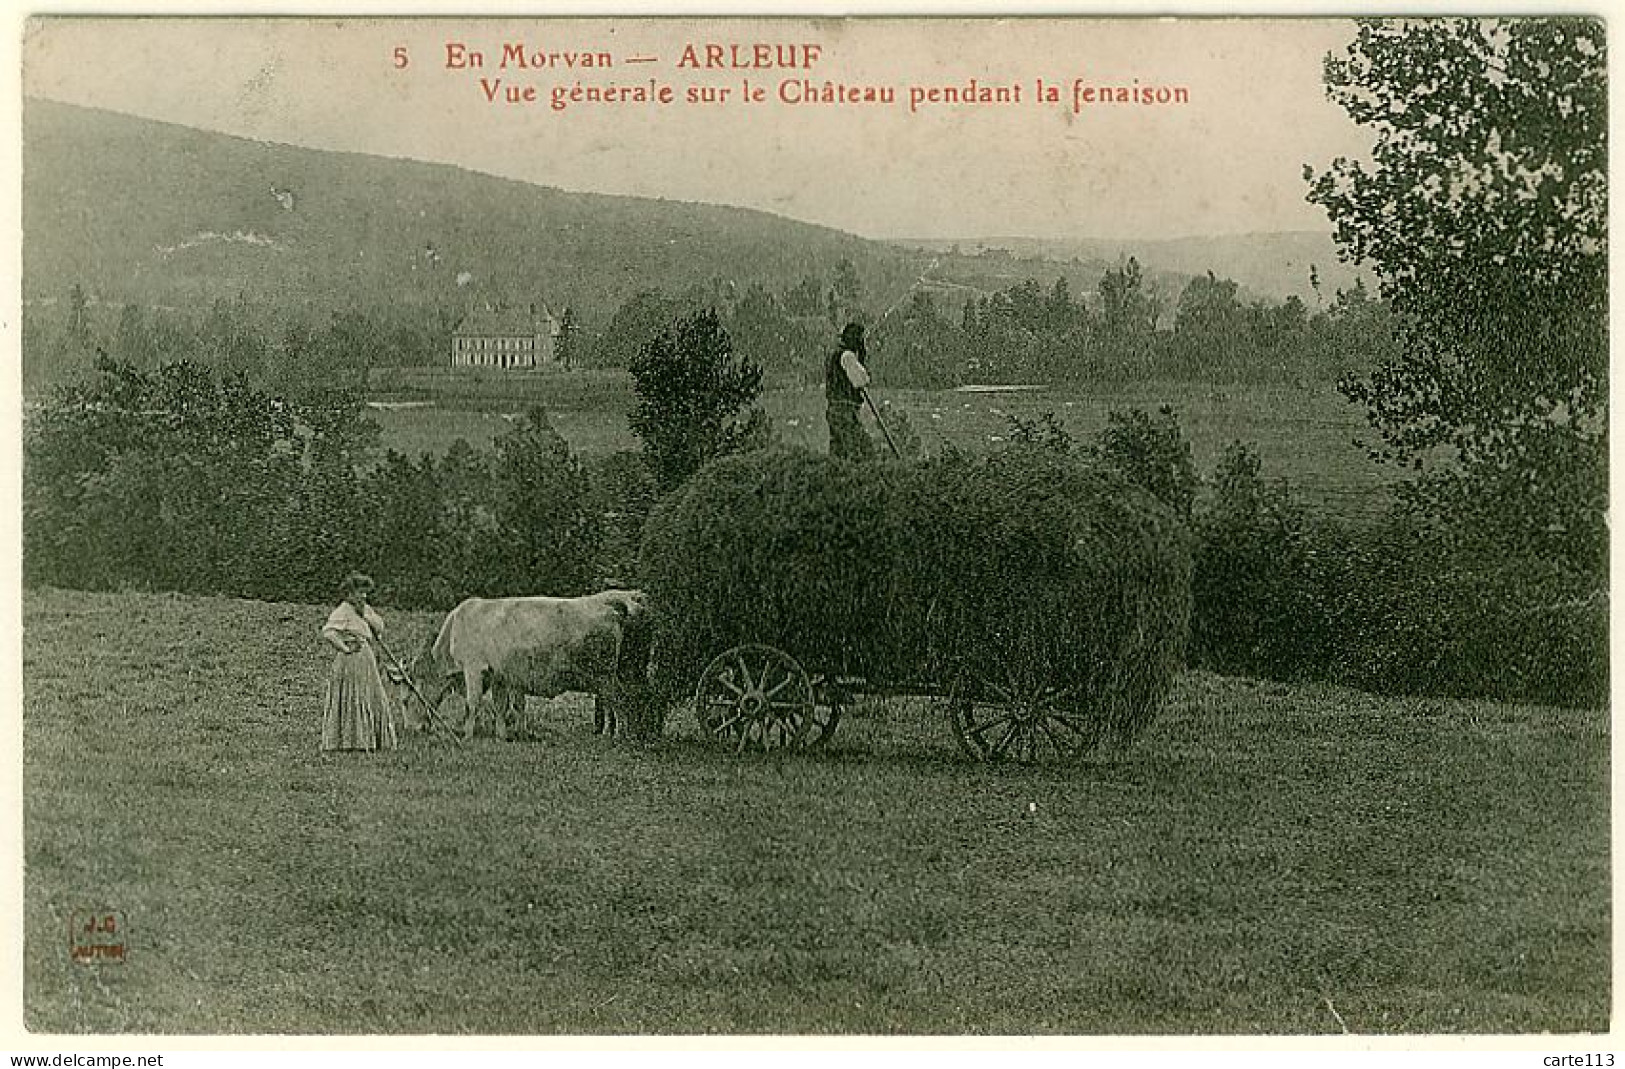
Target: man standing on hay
[(845, 378)]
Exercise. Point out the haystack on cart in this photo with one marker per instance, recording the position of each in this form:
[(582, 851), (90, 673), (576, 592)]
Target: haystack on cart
[(1042, 602)]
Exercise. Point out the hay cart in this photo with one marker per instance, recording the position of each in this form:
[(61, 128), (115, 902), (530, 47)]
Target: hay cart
[(1041, 604), (757, 696)]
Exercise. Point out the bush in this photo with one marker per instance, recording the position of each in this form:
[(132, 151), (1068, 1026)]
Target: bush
[(1394, 606), (1256, 610), (623, 494), (1149, 451), (917, 575), (1152, 453), (181, 480), (1045, 432), (168, 480), (1417, 615)]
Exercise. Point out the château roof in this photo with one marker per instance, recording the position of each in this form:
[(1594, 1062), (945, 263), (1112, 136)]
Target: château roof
[(508, 322)]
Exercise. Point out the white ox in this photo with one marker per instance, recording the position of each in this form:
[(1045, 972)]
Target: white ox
[(513, 647)]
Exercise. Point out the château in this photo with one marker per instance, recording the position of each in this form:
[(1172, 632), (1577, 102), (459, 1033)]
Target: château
[(507, 338)]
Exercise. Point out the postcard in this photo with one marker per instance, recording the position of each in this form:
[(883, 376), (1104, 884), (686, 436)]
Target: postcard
[(1084, 528)]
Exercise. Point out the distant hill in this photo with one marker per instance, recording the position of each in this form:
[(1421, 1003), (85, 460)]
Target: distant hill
[(1266, 266), (158, 214), (151, 213)]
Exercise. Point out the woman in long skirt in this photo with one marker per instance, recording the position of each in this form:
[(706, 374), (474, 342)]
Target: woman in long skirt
[(358, 713)]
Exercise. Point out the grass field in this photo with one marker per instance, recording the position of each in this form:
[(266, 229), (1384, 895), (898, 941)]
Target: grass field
[(476, 388), (1303, 434), (1266, 859)]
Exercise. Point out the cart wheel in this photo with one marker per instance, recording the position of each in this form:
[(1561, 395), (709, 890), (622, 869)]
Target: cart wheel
[(757, 696), (1036, 724)]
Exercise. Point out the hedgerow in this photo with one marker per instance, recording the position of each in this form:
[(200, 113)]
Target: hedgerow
[(1392, 605), (183, 480)]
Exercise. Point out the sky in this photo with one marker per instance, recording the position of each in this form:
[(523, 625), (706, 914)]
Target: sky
[(1227, 160)]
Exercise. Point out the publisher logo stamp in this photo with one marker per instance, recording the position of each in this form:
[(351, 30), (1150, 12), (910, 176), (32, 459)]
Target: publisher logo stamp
[(97, 936)]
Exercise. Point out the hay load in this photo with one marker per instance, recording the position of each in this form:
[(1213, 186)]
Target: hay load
[(1020, 578)]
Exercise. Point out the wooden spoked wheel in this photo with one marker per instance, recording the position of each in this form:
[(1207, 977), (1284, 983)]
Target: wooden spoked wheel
[(1037, 724), (758, 697)]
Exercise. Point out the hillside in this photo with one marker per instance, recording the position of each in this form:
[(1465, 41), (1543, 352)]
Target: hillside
[(159, 214)]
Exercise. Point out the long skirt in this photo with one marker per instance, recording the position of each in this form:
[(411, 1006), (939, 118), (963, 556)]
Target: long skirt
[(359, 714)]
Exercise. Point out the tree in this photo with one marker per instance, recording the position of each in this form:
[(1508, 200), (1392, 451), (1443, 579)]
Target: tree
[(1215, 335), (351, 344), (78, 322), (229, 339), (293, 358), (920, 346), (1355, 335), (569, 338), (1058, 309), (760, 328), (132, 340), (634, 324), (1208, 306), (471, 541), (695, 398), (1027, 305), (1483, 212), (1127, 311), (407, 538), (72, 347)]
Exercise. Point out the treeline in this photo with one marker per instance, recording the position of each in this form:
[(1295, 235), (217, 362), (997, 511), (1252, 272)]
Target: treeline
[(183, 479), (290, 352), (191, 478), (1029, 334), (783, 330), (934, 338), (293, 351)]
